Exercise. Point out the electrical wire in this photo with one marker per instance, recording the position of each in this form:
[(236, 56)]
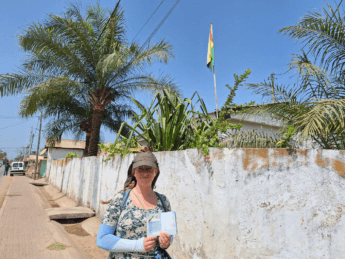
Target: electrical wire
[(282, 73), (10, 118), (13, 125), (13, 139), (117, 5), (148, 20), (11, 147), (7, 117), (161, 23)]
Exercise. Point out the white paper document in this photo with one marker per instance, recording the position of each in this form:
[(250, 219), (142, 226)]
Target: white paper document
[(165, 221)]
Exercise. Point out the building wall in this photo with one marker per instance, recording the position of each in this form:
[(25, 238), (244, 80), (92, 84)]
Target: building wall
[(237, 203), (59, 153)]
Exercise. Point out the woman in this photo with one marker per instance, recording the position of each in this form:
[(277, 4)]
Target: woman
[(123, 233)]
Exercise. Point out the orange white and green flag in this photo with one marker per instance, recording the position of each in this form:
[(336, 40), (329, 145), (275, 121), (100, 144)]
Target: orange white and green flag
[(210, 52)]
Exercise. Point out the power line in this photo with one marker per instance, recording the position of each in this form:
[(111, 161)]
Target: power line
[(11, 147), (13, 139), (10, 118), (13, 125), (117, 5), (6, 117), (161, 23), (148, 20), (282, 73)]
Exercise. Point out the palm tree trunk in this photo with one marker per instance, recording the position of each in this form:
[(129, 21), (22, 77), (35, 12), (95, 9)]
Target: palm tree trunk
[(96, 125), (85, 125), (86, 150)]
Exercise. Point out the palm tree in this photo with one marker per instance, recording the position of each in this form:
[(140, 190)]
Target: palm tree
[(69, 112), (324, 35), (315, 106), (87, 51)]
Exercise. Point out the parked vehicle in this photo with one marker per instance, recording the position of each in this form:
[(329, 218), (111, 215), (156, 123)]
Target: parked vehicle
[(17, 168)]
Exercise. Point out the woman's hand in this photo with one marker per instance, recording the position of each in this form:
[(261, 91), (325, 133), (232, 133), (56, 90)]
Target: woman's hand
[(149, 243), (164, 239)]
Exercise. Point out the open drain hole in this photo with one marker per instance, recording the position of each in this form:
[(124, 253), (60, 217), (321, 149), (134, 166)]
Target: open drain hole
[(73, 226), (70, 221)]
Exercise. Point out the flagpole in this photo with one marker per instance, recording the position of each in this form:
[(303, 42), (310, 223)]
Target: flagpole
[(215, 90), (214, 79)]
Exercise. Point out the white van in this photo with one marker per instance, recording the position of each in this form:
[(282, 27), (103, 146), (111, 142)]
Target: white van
[(17, 168)]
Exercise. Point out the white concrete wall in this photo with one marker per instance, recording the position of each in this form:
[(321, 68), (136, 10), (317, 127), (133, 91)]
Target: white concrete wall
[(243, 203)]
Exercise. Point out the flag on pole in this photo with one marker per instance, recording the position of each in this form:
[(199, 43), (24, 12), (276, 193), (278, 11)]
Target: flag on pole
[(210, 52)]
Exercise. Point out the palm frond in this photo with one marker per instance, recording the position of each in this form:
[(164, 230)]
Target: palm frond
[(319, 119), (249, 139), (324, 34)]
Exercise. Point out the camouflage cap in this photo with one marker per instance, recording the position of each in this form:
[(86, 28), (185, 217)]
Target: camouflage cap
[(145, 158)]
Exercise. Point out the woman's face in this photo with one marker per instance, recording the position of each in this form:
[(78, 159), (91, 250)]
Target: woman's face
[(144, 174)]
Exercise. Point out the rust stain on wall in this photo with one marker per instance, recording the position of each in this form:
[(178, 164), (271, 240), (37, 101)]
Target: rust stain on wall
[(252, 157), (320, 161), (339, 167), (302, 152), (219, 154), (278, 153)]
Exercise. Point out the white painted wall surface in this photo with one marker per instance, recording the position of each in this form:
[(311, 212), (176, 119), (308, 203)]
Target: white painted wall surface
[(243, 203)]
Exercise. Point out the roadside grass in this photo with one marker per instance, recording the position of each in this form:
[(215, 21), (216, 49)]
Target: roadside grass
[(56, 246)]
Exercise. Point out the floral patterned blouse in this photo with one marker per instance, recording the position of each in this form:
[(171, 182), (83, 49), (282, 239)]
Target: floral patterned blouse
[(131, 224)]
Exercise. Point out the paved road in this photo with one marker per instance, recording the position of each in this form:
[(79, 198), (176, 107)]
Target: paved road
[(25, 229)]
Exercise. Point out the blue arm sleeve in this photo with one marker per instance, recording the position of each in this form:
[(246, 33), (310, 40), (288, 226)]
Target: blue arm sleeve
[(108, 241)]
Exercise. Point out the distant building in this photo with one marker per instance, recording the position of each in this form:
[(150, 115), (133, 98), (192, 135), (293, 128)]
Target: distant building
[(62, 148)]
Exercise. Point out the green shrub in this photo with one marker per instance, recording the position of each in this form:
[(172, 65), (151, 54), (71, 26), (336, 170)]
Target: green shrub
[(71, 155)]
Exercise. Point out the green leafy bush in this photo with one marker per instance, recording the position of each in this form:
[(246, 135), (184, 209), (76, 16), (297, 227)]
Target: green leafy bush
[(71, 155), (287, 141)]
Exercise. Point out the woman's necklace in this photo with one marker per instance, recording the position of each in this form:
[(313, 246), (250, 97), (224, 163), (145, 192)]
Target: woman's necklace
[(139, 201)]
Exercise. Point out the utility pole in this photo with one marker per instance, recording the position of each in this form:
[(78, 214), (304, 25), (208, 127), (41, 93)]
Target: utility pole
[(272, 79), (31, 140), (30, 143), (38, 148)]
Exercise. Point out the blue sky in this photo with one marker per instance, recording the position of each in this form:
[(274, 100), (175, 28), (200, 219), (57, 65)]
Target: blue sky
[(245, 36)]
